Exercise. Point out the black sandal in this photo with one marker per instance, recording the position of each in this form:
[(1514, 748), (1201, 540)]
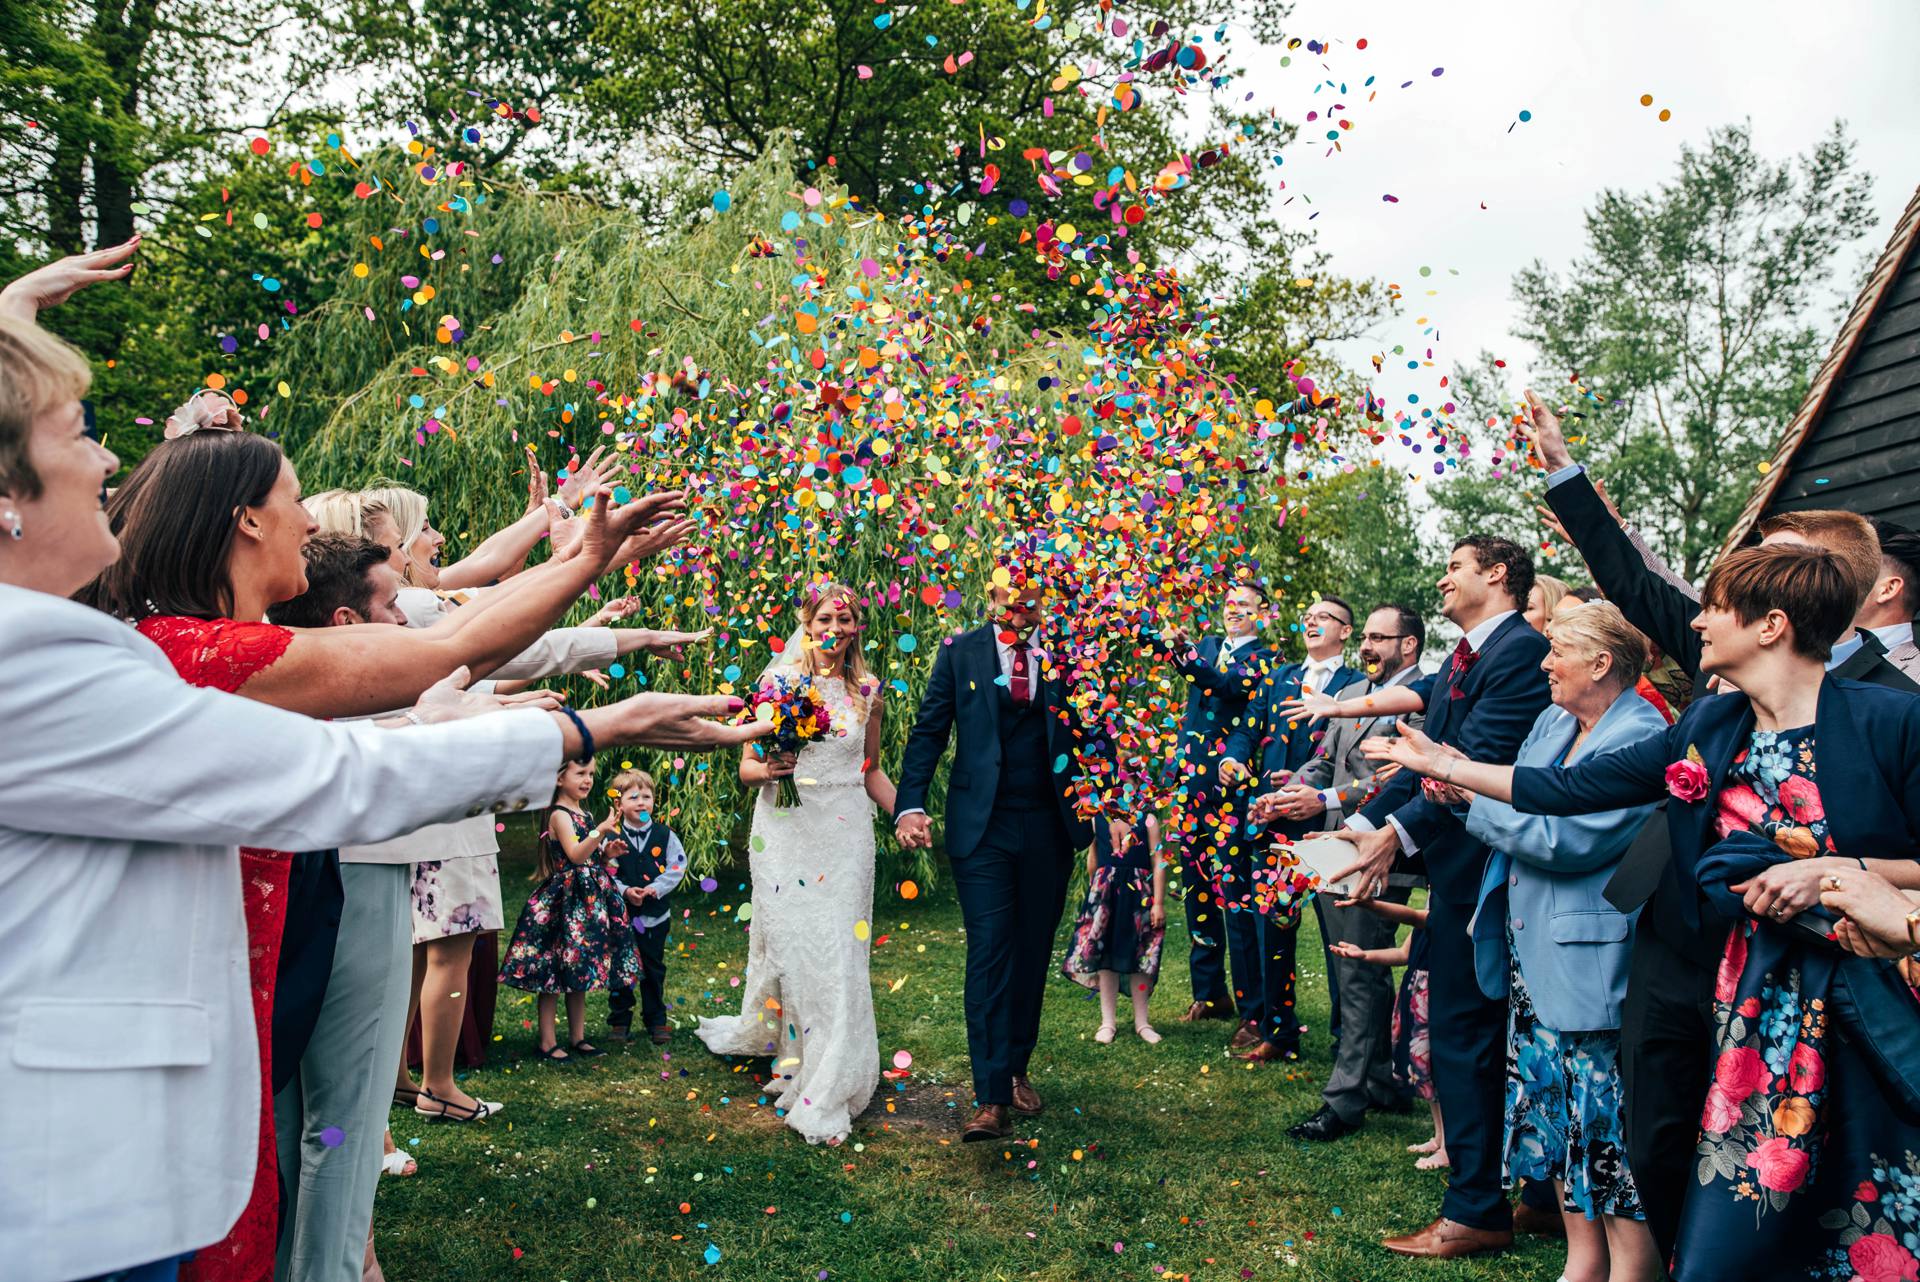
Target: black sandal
[(556, 1053), (586, 1049), (449, 1111)]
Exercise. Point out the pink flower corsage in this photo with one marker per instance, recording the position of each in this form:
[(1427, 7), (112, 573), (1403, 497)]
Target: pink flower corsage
[(1687, 779)]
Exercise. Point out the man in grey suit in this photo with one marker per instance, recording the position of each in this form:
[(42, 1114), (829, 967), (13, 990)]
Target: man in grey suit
[(1332, 785)]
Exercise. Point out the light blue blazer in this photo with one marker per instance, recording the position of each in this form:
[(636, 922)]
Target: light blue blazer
[(1545, 877)]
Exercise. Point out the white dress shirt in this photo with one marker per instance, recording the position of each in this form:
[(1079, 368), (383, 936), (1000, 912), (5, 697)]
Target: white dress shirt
[(129, 1063), (1034, 656), (1894, 635), (1315, 673)]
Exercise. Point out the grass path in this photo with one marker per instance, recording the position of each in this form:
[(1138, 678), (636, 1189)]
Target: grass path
[(1165, 1161)]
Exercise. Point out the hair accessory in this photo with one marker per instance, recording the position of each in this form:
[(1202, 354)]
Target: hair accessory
[(586, 735)]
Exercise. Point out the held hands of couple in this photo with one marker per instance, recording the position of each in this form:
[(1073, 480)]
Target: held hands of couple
[(914, 831), (1878, 918), (1295, 801)]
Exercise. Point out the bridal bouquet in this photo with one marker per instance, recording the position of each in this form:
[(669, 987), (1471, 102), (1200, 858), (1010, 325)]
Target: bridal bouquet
[(799, 715)]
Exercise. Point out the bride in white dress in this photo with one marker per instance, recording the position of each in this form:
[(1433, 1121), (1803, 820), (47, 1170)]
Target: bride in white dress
[(807, 1001)]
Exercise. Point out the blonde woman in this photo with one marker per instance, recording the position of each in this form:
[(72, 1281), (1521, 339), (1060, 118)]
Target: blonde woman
[(1545, 598), (807, 1001)]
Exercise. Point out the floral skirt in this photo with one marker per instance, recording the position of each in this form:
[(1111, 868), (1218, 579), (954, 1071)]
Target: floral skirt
[(456, 897), (1115, 928), (1564, 1110), (1412, 1046), (574, 936)]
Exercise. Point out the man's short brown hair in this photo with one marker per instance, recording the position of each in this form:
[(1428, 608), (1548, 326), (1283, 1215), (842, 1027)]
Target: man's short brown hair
[(1848, 535), (1813, 586)]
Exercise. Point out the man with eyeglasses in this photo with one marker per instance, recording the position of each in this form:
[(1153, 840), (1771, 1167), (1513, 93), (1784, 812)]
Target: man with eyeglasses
[(1335, 783), (1281, 745), (1222, 673)]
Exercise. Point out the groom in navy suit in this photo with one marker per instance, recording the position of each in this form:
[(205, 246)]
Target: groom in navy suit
[(1483, 702), (1011, 832), (1267, 744)]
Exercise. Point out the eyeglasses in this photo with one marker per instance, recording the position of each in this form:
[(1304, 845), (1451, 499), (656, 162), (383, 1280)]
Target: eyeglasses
[(1379, 637), (1321, 616)]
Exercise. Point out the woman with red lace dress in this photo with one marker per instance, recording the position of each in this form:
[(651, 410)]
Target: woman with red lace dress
[(211, 529)]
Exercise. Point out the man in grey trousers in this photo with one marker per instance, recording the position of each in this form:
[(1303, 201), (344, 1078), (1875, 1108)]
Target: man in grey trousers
[(1332, 785)]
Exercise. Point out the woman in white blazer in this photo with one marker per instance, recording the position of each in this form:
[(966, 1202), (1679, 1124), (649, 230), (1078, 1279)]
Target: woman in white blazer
[(127, 1054)]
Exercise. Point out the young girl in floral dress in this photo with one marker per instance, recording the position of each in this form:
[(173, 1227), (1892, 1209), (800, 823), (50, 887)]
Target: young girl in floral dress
[(1122, 923), (574, 933)]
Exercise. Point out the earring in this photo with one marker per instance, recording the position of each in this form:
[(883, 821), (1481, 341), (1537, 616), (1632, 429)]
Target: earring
[(12, 520)]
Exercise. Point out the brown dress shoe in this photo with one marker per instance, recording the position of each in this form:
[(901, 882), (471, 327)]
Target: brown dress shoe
[(1026, 1100), (1204, 1010), (990, 1123), (1244, 1036), (1448, 1239), (1267, 1053), (1538, 1223)]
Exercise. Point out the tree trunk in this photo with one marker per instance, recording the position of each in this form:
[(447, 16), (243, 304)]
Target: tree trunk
[(122, 38), (65, 190)]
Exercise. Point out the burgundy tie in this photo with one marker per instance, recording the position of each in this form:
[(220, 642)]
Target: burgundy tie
[(1017, 683), (1463, 658)]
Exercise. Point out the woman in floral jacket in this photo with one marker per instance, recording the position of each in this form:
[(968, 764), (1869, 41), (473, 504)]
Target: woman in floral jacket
[(1806, 1167)]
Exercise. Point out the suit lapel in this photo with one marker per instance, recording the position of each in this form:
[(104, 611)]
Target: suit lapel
[(1859, 809), (1861, 662)]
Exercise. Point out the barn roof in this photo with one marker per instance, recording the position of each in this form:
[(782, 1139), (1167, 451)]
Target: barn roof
[(1828, 382)]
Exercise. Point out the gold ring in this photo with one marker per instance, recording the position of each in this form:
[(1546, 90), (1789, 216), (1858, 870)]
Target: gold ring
[(1833, 881), (1776, 910)]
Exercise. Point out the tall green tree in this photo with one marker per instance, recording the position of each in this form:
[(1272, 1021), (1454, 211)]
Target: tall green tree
[(1689, 330)]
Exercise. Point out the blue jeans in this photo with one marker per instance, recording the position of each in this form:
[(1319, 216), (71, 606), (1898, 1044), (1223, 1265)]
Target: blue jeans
[(159, 1271)]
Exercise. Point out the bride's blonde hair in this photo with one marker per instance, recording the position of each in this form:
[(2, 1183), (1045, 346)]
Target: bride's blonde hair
[(861, 684)]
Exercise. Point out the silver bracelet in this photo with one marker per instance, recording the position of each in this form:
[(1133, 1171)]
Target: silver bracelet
[(414, 716)]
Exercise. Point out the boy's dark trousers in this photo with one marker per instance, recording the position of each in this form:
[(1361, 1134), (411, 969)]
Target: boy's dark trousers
[(652, 942)]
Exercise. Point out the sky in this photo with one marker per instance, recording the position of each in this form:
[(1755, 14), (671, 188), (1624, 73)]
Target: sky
[(1446, 144)]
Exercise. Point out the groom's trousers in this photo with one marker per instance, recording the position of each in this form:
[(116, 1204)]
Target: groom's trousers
[(1012, 889)]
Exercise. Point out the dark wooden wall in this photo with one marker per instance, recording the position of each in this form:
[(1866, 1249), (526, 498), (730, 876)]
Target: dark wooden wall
[(1863, 454)]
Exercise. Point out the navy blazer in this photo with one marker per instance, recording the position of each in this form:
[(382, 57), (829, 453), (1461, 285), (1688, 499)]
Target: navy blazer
[(1866, 736), (965, 698), (1545, 879), (1216, 700), (1486, 713)]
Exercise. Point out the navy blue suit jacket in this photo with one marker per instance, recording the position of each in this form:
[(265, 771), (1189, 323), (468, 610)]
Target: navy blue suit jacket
[(1487, 714), (1267, 742), (1216, 701), (965, 698), (1867, 745)]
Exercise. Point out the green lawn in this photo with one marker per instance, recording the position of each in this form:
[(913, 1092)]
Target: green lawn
[(1151, 1161)]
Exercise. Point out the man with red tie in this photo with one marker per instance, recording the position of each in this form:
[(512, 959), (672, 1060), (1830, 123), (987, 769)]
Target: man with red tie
[(1011, 830), (1483, 702)]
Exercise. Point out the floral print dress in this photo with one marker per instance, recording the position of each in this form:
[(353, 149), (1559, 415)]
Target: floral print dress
[(1802, 1170), (574, 934), (1115, 928)]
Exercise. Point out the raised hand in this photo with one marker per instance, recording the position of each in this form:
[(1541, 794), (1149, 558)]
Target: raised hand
[(1311, 706), (584, 478), (449, 699), (1412, 749), (1374, 854), (61, 279), (616, 609), (672, 645), (536, 485), (1232, 771), (661, 720), (1544, 431), (608, 529), (654, 540)]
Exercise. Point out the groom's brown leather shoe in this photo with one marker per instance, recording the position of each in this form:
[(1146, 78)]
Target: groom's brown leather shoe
[(990, 1123), (1026, 1100), (1448, 1239), (1243, 1037), (1203, 1010)]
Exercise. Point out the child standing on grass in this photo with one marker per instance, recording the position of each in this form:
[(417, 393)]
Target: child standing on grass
[(1122, 923), (573, 934), (1412, 1058), (649, 862)]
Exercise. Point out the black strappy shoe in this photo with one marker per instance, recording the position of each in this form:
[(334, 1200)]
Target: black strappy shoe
[(586, 1049), (448, 1111), (555, 1053)]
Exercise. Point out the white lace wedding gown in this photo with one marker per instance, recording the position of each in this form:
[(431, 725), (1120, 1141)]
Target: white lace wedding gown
[(807, 1000)]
